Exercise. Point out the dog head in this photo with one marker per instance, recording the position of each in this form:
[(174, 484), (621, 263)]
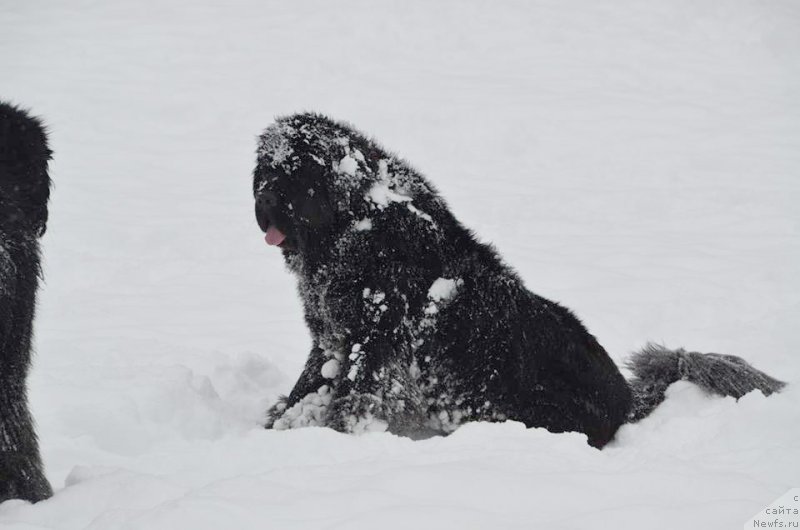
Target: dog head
[(24, 181), (316, 179), (304, 182)]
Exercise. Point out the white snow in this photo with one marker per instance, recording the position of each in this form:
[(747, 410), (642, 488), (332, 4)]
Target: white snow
[(358, 155), (420, 213), (444, 289), (348, 165), (383, 169), (441, 291), (307, 412), (783, 512), (380, 194), (275, 145), (636, 161), (364, 224), (330, 369), (378, 297), (367, 424)]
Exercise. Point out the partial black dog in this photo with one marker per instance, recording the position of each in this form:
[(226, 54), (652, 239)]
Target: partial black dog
[(416, 327), (24, 191)]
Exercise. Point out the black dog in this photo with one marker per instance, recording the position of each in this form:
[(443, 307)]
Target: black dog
[(417, 327), (24, 191)]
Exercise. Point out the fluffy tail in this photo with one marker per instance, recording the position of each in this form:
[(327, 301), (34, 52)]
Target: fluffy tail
[(656, 367)]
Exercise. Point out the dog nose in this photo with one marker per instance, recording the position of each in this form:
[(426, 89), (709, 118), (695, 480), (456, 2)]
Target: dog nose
[(266, 202)]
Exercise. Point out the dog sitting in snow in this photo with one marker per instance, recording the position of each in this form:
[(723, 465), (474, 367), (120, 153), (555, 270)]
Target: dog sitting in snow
[(416, 327)]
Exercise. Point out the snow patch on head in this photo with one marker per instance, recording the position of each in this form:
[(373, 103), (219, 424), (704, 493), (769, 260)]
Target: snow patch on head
[(282, 143), (274, 144)]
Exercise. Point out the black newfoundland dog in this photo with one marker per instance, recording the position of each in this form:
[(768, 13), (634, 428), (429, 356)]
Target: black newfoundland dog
[(416, 327), (24, 191)]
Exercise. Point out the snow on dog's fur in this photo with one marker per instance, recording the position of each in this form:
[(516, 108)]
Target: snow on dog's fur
[(417, 327)]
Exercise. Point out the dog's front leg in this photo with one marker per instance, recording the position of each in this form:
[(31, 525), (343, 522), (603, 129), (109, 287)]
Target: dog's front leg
[(306, 403), (374, 389)]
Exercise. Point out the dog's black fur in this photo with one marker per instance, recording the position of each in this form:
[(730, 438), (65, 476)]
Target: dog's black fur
[(418, 327), (24, 191)]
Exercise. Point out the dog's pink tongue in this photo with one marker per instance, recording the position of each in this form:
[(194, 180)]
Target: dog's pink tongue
[(274, 236)]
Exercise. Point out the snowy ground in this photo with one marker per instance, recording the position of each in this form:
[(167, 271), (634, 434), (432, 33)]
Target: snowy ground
[(637, 161)]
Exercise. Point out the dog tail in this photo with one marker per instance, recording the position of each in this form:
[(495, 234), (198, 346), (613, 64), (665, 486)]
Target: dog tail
[(656, 367)]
